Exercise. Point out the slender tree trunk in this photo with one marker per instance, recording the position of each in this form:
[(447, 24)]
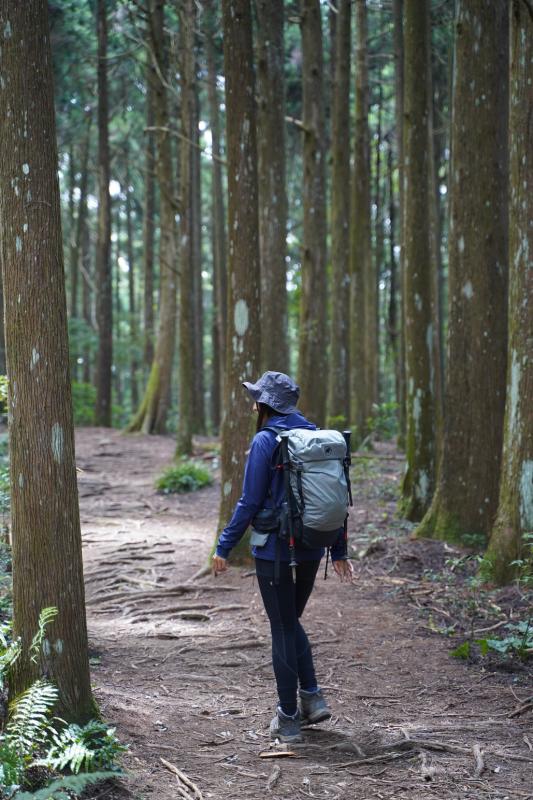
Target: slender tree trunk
[(117, 313), (243, 265), (131, 291), (312, 344), (392, 314), (379, 241), (397, 6), (515, 510), (47, 558), (197, 260), (103, 266), (272, 196), (339, 397), (219, 227), (149, 219), (467, 494), (419, 479), (86, 291), (187, 338), (152, 414), (362, 328)]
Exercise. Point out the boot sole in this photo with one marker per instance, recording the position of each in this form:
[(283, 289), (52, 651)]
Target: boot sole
[(318, 716)]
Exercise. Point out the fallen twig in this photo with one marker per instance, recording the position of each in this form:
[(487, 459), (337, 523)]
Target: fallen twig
[(183, 779)]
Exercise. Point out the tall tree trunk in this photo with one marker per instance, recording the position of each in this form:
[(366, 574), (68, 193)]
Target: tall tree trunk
[(86, 292), (392, 312), (152, 414), (362, 328), (419, 479), (134, 390), (197, 261), (186, 324), (397, 7), (149, 219), (47, 558), (103, 244), (77, 240), (339, 382), (272, 195), (467, 494), (117, 315), (219, 225), (379, 240), (515, 510), (243, 336), (312, 343)]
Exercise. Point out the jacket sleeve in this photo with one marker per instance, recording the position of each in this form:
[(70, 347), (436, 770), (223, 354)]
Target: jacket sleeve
[(257, 478), (338, 550)]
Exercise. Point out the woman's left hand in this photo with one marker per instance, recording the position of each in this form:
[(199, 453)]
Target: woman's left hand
[(344, 570)]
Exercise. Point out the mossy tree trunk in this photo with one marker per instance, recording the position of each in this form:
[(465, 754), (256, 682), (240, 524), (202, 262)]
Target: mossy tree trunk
[(104, 298), (271, 172), (186, 321), (152, 414), (149, 220), (397, 7), (339, 380), (47, 557), (243, 338), (218, 226), (419, 479), (360, 234), (466, 498), (313, 303), (132, 310), (515, 509)]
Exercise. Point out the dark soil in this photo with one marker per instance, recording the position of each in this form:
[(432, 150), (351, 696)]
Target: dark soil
[(183, 669)]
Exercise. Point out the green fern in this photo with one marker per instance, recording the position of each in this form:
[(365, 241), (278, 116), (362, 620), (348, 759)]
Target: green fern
[(9, 653), (29, 723), (57, 790), (93, 746), (46, 616)]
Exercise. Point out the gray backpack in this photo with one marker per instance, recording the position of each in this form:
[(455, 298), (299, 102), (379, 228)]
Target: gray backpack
[(317, 485)]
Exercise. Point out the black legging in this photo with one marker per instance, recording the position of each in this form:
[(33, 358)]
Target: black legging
[(284, 603)]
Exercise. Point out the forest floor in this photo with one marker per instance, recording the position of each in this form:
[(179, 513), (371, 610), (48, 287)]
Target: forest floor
[(183, 669)]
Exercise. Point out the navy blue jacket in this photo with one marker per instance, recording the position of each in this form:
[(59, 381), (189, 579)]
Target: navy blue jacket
[(264, 488)]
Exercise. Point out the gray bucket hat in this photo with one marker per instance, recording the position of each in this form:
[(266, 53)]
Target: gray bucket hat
[(275, 389)]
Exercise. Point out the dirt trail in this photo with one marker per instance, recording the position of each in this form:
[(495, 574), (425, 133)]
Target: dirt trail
[(183, 670)]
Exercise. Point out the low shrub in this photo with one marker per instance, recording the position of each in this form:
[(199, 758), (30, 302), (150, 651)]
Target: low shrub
[(186, 476)]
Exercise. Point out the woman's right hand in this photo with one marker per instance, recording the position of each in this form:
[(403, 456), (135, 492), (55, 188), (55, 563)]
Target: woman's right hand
[(219, 565)]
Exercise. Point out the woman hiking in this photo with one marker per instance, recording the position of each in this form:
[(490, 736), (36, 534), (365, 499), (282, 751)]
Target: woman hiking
[(275, 396)]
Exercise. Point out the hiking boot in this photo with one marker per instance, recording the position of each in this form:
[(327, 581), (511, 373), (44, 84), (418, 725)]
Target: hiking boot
[(313, 707), (285, 728)]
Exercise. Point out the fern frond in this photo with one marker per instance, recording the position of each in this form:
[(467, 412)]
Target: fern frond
[(29, 722), (8, 658), (46, 616), (71, 783)]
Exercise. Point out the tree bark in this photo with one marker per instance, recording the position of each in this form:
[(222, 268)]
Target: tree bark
[(134, 389), (104, 301), (199, 423), (149, 219), (186, 324), (467, 494), (362, 328), (339, 381), (312, 340), (397, 6), (243, 336), (152, 414), (47, 558), (419, 479), (515, 509), (272, 195), (86, 292), (218, 227)]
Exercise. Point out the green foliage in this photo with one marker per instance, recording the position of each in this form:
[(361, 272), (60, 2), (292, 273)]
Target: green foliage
[(383, 423), (337, 423), (3, 394), (83, 403), (186, 476), (525, 565), (9, 652), (46, 616), (518, 643), (29, 724), (62, 788), (93, 746)]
